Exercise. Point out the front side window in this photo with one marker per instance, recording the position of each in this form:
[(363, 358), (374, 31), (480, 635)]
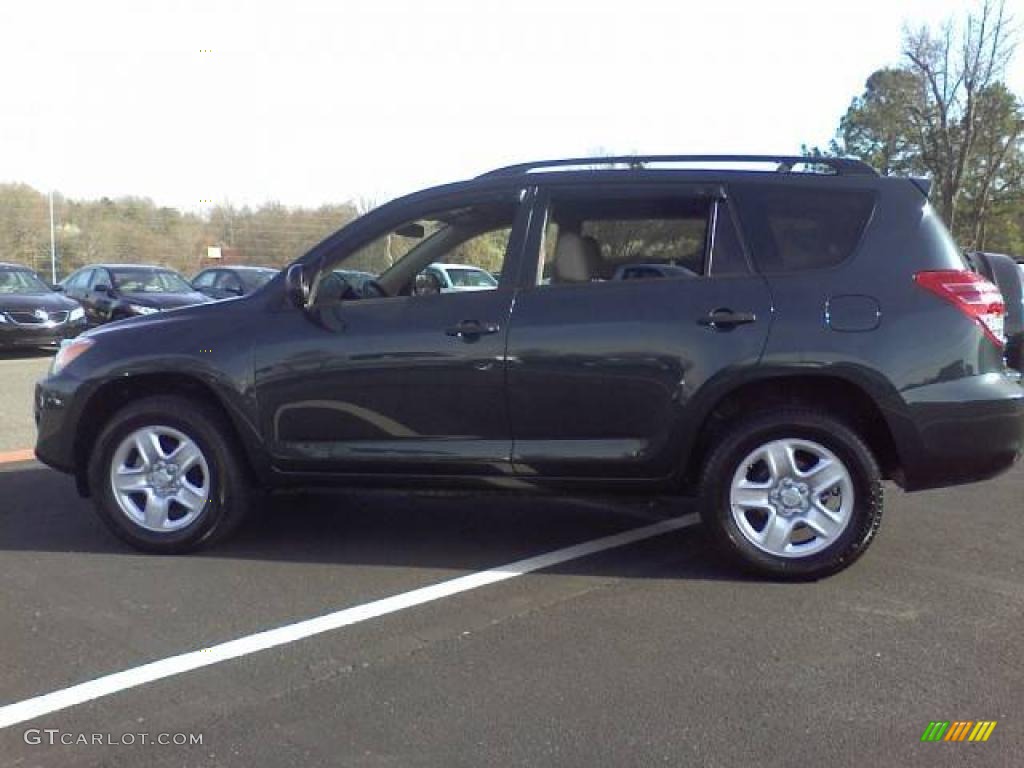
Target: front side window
[(448, 251), (99, 277), (78, 281)]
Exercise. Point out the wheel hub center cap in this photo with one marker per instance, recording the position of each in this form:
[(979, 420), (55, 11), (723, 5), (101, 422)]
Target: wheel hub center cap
[(164, 477), (790, 497)]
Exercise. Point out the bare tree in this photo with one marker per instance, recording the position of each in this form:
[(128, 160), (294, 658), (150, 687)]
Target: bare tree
[(956, 68)]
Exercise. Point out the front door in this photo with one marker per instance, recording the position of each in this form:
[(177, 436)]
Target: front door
[(397, 376), (98, 301)]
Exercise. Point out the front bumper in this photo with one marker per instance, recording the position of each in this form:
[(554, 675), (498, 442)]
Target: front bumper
[(55, 422), (39, 335)]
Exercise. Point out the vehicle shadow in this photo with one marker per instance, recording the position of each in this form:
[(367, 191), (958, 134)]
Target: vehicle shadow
[(43, 513)]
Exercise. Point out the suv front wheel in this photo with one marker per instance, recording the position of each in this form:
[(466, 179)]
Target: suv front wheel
[(793, 494), (165, 478)]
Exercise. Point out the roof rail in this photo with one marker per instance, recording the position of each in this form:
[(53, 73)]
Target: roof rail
[(842, 166)]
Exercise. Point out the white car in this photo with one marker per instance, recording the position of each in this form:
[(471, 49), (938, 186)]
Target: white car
[(455, 278)]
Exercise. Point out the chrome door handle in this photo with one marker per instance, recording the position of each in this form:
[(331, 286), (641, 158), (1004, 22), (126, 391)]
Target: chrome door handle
[(726, 319), (472, 328)]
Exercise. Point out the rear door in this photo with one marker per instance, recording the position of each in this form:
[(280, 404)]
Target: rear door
[(603, 371)]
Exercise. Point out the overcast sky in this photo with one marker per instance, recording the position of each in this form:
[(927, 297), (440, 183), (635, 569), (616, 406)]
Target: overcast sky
[(311, 102)]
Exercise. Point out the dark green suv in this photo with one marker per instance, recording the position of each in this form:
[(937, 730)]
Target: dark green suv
[(793, 332)]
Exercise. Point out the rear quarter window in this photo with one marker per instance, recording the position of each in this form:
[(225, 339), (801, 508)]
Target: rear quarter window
[(795, 229)]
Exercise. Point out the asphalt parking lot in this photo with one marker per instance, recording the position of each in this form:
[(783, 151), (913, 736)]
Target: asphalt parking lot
[(652, 652)]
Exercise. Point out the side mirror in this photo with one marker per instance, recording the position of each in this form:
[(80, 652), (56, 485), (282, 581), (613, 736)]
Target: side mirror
[(57, 288), (296, 286), (102, 288)]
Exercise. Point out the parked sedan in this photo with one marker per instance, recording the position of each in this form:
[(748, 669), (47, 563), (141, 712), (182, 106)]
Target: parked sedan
[(456, 278), (116, 291), (230, 282), (31, 313)]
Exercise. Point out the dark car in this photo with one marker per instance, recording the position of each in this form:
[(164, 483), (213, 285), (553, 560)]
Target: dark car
[(355, 278), (1009, 276), (117, 291), (232, 282), (32, 314), (345, 283), (831, 336)]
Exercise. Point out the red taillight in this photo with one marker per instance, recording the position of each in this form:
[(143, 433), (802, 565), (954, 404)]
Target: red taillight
[(973, 295)]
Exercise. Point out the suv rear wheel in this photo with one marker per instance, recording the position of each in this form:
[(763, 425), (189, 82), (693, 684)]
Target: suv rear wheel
[(792, 494), (164, 476)]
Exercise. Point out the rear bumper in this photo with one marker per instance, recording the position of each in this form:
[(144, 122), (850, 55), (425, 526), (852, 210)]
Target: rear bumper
[(965, 430)]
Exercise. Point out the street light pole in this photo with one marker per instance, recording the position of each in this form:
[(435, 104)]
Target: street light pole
[(53, 244)]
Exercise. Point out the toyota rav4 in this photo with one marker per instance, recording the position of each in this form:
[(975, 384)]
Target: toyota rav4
[(793, 332)]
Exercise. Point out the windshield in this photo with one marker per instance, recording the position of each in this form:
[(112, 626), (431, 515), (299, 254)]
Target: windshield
[(149, 281), (470, 278), (21, 281)]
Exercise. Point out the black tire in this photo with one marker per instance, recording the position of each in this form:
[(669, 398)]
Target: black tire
[(229, 496), (747, 434)]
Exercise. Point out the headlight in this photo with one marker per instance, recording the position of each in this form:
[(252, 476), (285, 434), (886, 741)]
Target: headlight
[(4, 318), (138, 309), (76, 314), (69, 352)]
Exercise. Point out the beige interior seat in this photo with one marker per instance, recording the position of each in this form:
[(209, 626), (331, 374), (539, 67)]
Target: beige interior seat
[(577, 259)]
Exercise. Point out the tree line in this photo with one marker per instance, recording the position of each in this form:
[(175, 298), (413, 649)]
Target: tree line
[(136, 230)]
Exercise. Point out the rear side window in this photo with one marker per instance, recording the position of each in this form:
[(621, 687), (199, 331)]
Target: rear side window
[(610, 235), (229, 282), (794, 229)]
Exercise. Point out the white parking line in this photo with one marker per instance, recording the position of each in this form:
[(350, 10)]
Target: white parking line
[(19, 712)]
